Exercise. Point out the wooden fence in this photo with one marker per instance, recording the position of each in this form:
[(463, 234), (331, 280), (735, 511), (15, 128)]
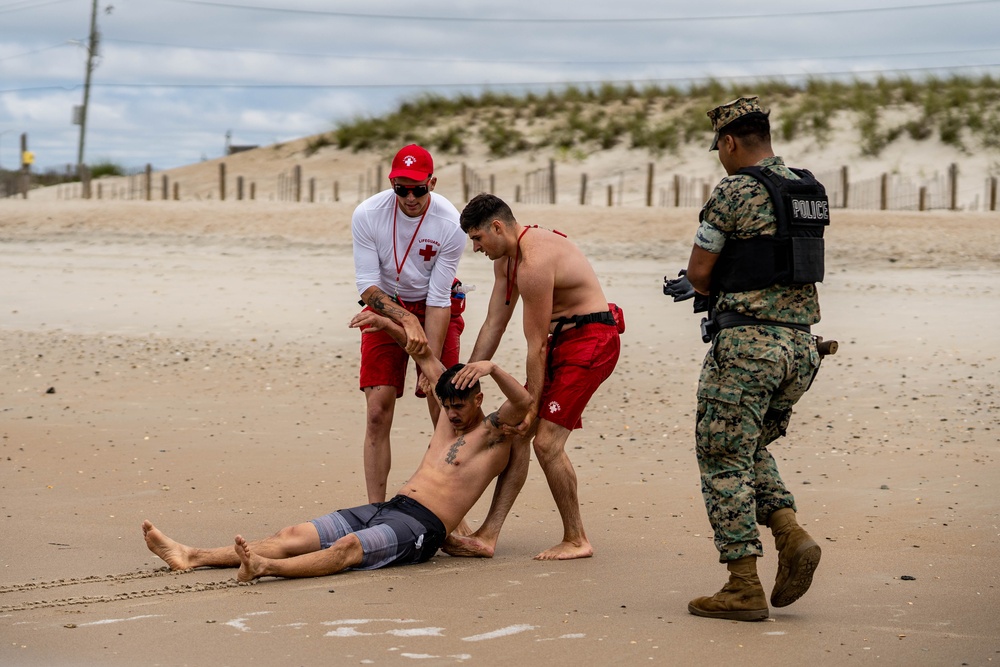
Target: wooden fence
[(633, 187)]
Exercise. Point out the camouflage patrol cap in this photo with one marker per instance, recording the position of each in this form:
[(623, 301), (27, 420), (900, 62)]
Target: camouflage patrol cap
[(725, 114)]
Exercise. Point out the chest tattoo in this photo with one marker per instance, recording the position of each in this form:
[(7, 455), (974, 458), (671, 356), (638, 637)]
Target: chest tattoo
[(453, 450)]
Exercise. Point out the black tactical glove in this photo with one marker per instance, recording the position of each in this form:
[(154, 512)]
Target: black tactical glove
[(679, 288), (701, 302)]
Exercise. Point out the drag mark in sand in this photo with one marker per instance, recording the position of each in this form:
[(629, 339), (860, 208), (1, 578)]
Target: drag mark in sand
[(93, 579), (118, 597), (427, 656)]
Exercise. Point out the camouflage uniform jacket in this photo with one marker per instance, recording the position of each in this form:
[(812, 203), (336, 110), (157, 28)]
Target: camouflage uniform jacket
[(740, 207)]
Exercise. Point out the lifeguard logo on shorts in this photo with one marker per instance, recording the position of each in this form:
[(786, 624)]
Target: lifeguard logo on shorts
[(554, 407)]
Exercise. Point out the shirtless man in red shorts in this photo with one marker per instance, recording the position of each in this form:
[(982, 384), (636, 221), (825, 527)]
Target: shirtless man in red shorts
[(572, 337)]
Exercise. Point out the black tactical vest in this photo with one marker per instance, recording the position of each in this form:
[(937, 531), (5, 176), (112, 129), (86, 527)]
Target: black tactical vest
[(792, 256)]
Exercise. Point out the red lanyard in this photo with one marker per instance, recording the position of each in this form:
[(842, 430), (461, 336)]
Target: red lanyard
[(511, 279), (399, 265)]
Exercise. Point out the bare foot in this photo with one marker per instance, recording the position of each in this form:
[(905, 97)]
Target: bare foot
[(463, 528), (567, 551), (174, 554), (251, 565), (467, 546)]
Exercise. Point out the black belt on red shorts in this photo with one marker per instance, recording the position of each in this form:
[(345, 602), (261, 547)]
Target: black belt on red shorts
[(603, 317)]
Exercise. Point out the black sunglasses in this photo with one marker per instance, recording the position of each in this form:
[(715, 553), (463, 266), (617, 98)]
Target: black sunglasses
[(417, 190)]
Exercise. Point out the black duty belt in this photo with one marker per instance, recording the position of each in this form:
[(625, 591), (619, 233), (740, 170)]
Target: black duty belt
[(603, 317), (730, 319)]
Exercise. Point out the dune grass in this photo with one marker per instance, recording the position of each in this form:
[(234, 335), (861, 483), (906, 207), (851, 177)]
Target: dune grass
[(960, 111)]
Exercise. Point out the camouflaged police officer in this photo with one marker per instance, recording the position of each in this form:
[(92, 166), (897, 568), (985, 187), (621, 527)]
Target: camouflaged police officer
[(762, 359)]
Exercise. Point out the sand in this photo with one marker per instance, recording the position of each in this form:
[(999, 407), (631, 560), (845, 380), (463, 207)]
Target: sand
[(190, 363)]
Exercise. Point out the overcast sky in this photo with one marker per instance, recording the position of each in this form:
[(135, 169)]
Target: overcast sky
[(173, 77)]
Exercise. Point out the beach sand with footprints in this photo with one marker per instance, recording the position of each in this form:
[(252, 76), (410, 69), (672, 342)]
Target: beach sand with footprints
[(190, 363)]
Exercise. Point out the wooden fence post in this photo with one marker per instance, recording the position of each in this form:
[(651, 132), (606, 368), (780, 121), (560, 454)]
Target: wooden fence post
[(99, 190), (493, 184), (583, 188), (85, 181), (312, 190), (677, 190), (336, 191), (611, 191), (649, 185), (953, 186), (993, 193), (239, 188), (177, 191), (923, 198), (884, 195), (844, 183), (253, 190), (704, 192), (465, 182), (165, 187), (222, 181), (25, 179), (552, 181), (517, 193)]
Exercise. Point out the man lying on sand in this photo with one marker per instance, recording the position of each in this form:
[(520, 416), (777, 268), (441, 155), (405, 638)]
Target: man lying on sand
[(468, 449)]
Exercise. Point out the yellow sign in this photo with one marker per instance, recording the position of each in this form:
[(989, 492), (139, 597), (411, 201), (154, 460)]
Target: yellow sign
[(27, 158)]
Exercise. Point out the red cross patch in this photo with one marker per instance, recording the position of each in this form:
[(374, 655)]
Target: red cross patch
[(428, 252)]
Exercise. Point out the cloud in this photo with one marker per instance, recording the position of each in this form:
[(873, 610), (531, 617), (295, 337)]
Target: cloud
[(173, 76)]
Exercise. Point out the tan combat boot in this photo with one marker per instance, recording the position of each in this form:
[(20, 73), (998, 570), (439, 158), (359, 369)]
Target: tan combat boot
[(798, 556), (741, 599)]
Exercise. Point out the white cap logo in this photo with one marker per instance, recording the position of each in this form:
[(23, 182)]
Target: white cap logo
[(409, 160)]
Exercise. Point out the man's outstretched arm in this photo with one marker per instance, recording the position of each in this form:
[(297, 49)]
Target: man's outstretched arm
[(429, 364)]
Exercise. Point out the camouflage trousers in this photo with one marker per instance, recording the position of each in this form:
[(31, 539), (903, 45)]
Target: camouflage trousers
[(750, 379)]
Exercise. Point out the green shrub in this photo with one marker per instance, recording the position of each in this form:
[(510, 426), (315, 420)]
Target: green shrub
[(502, 139), (106, 168), (317, 142), (950, 130)]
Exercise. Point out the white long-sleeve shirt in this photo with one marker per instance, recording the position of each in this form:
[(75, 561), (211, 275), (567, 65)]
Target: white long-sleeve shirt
[(427, 271)]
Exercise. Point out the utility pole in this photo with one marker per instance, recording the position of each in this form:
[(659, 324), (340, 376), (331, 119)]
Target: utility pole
[(95, 39)]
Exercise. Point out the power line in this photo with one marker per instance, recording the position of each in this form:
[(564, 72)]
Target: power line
[(28, 4), (410, 58), (31, 53), (568, 19), (512, 84)]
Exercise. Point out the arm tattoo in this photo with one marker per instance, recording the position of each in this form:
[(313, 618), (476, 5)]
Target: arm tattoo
[(493, 419), (381, 302), (453, 450)]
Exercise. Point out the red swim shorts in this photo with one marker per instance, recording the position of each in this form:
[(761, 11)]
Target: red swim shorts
[(579, 360), (384, 362)]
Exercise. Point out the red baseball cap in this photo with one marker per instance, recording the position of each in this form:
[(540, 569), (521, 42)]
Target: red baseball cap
[(412, 161)]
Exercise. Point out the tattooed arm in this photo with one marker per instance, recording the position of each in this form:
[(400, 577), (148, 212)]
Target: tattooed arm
[(518, 399), (370, 321), (382, 303)]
